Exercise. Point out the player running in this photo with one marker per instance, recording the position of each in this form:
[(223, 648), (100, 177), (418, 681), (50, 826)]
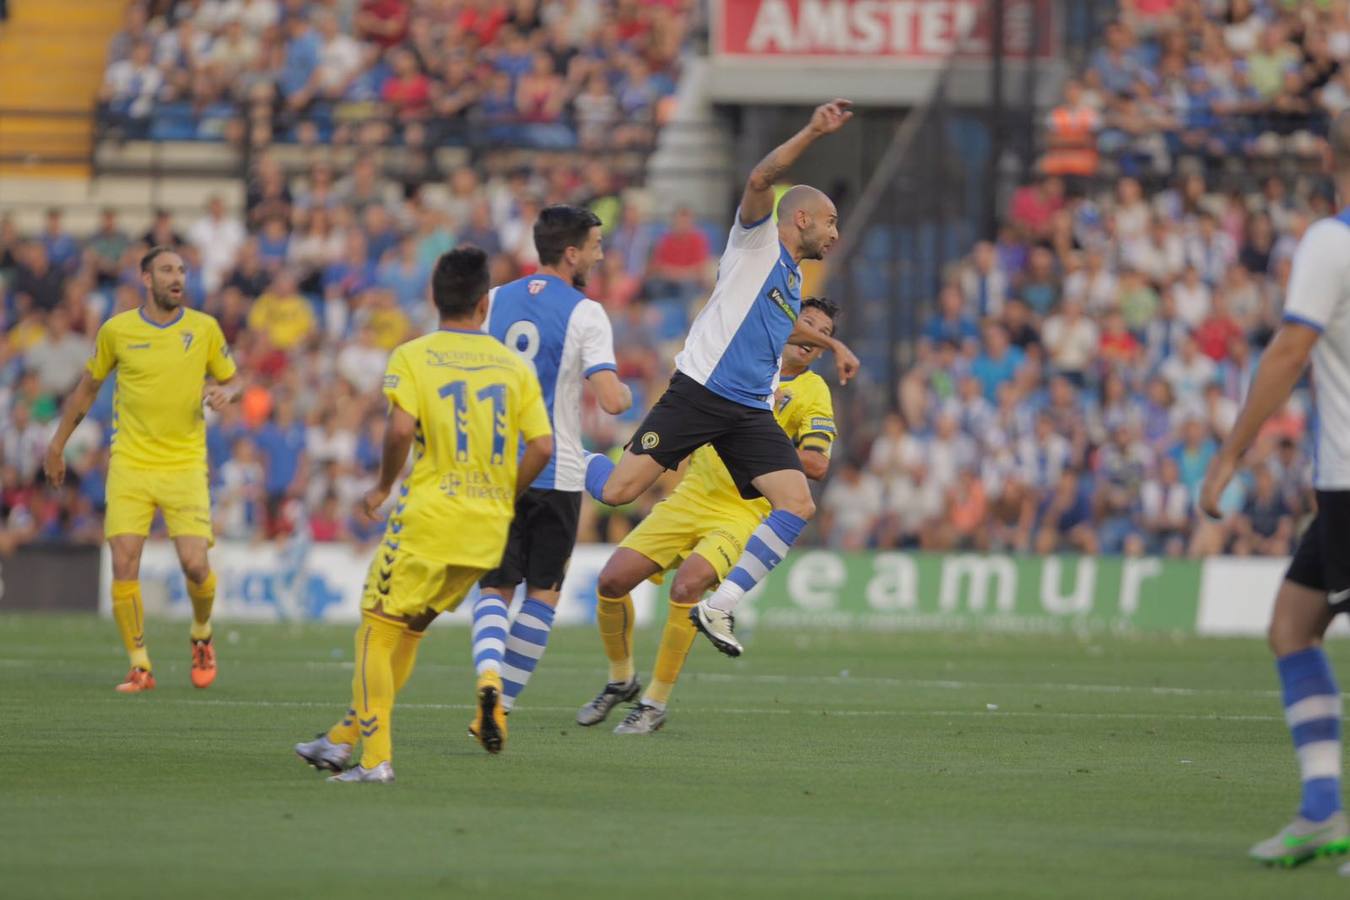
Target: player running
[(164, 355), (1317, 585), (567, 339), (723, 388), (703, 526), (462, 403)]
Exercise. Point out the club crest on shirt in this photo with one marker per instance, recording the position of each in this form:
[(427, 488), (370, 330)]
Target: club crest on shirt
[(187, 340), (783, 400), (792, 281), (536, 285)]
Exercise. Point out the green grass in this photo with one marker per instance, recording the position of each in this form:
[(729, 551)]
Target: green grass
[(821, 765)]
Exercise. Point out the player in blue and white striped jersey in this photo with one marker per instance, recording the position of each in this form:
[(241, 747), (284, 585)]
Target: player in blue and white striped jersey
[(566, 337), (722, 391), (1316, 587)]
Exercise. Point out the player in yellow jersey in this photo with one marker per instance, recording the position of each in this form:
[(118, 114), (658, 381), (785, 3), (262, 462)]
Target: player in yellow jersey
[(169, 361), (703, 527), (463, 403)]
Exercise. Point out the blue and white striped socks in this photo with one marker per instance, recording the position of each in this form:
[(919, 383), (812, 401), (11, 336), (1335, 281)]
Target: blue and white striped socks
[(765, 549), (525, 647), (1312, 708), (489, 633)]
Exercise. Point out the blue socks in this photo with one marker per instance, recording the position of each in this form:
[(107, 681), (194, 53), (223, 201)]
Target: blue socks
[(766, 548), (525, 647), (489, 633), (598, 469), (1312, 708)]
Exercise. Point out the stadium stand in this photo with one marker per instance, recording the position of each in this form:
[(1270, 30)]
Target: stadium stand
[(1077, 373), (1070, 384)]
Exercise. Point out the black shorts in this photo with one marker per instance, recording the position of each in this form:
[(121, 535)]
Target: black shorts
[(748, 439), (540, 543), (1322, 560)]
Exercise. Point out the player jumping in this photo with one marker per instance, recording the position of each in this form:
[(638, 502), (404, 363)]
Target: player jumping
[(462, 403), (704, 526), (723, 388), (1317, 585), (163, 354), (567, 339)]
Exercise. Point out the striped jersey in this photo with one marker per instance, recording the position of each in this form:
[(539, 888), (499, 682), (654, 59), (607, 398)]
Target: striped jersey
[(735, 345), (1317, 296), (566, 338)]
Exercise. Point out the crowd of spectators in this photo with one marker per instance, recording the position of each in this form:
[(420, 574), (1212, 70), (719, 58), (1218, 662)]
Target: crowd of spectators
[(593, 74), (323, 271), (1222, 80), (1079, 371)]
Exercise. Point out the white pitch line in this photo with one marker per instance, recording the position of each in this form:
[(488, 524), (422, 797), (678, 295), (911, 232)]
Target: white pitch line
[(736, 711), (731, 677)]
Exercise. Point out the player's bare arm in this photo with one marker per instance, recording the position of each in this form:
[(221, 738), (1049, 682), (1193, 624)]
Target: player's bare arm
[(398, 438), (815, 464), (532, 461), (846, 364), (757, 201), (76, 408), (223, 393), (613, 395), (1281, 367)]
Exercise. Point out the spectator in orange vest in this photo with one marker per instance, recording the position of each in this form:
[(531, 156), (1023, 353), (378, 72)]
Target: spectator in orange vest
[(1072, 135)]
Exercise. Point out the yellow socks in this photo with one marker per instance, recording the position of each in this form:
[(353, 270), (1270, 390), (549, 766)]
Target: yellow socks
[(405, 657), (130, 619), (400, 666), (615, 620), (676, 639), (203, 598), (373, 686)]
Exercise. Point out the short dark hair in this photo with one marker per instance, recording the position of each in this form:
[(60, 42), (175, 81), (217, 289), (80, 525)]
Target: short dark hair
[(559, 227), (154, 253), (824, 304), (460, 281)]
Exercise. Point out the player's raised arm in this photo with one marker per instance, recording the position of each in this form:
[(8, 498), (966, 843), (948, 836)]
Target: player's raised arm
[(72, 414), (846, 364), (757, 201)]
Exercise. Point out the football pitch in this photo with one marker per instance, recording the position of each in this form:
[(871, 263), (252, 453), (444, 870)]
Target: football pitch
[(822, 764)]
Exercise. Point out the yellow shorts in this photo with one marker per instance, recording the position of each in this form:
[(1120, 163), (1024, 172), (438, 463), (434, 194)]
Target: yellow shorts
[(402, 584), (183, 495), (676, 527)]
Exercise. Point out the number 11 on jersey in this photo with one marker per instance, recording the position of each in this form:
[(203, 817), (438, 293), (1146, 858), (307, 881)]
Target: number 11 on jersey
[(457, 392)]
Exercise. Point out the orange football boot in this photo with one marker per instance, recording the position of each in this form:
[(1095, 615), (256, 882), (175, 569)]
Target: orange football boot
[(203, 663), (137, 680)]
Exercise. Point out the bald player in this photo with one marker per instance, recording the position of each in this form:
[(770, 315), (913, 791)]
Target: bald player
[(723, 388), (1316, 586)]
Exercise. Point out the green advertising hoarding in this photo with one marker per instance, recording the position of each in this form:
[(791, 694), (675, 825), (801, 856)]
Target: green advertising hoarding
[(916, 591)]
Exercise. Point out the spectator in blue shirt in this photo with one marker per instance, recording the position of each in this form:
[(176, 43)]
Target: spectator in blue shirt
[(63, 252), (951, 322), (281, 441), (997, 362), (302, 57)]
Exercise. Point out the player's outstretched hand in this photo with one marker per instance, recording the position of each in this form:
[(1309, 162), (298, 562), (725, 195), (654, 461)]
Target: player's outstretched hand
[(372, 501), (55, 465), (830, 117), (845, 363), (1220, 472)]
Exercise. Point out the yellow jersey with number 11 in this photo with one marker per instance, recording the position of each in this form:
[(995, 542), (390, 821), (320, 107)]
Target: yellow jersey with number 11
[(474, 401)]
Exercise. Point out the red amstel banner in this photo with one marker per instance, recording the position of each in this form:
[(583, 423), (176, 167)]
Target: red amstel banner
[(873, 31)]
